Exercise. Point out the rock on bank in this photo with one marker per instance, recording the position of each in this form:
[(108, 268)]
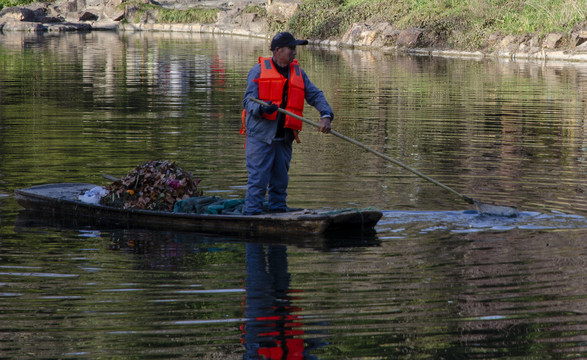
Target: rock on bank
[(75, 15), (72, 15)]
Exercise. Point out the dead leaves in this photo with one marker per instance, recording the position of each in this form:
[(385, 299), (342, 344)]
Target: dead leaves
[(154, 185)]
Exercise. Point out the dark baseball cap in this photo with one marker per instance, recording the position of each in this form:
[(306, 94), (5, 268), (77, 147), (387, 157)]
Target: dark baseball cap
[(284, 39)]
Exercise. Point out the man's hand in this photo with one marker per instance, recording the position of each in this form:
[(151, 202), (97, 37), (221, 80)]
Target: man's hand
[(325, 125), (269, 109)]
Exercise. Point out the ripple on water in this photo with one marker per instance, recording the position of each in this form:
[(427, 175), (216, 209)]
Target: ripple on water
[(472, 221)]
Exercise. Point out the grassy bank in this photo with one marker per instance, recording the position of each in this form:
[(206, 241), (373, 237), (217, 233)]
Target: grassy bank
[(462, 24), (459, 24), (175, 16)]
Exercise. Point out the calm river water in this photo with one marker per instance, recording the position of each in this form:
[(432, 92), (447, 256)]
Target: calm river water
[(435, 280)]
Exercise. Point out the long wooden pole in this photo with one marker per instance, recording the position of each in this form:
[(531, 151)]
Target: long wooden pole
[(484, 208), (353, 141)]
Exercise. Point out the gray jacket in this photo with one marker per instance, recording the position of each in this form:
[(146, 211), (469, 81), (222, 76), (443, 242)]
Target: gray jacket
[(263, 129)]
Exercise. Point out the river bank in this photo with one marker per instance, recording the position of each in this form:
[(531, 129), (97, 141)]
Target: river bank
[(258, 18), (508, 47)]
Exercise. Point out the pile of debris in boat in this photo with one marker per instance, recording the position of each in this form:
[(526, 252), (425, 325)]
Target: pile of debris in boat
[(153, 185), (162, 186)]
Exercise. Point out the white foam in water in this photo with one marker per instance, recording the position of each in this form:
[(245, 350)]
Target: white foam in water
[(472, 221)]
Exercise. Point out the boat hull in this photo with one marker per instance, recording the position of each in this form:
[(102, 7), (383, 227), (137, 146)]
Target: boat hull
[(61, 201)]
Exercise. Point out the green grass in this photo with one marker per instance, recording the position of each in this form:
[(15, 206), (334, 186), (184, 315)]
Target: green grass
[(257, 9), (8, 3), (463, 23), (172, 16), (196, 15)]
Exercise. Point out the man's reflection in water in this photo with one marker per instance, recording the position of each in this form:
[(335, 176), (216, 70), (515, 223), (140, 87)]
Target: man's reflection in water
[(273, 329)]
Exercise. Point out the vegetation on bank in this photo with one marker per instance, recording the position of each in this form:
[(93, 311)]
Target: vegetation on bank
[(7, 3), (164, 15), (189, 16), (170, 16), (463, 24)]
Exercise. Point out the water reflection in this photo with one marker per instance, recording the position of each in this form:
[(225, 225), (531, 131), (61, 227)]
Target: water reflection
[(434, 280), (490, 314), (424, 291), (274, 328)]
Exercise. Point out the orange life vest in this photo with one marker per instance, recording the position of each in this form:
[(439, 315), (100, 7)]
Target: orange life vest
[(271, 84)]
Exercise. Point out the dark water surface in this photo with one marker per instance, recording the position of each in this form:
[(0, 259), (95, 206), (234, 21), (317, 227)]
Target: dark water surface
[(434, 280)]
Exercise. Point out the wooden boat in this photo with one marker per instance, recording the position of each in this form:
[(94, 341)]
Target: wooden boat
[(61, 201)]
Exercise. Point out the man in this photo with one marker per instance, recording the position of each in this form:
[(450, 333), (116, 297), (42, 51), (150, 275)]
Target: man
[(280, 81)]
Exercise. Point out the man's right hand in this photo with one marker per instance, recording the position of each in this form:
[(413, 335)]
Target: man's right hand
[(325, 126), (269, 109)]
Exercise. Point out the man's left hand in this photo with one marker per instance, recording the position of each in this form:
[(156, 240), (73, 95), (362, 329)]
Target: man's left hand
[(325, 125)]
